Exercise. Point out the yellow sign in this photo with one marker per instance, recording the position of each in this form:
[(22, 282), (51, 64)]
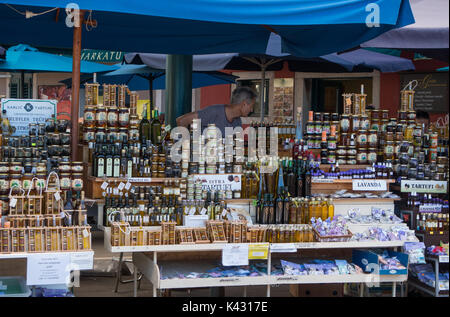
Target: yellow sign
[(258, 251), (140, 106)]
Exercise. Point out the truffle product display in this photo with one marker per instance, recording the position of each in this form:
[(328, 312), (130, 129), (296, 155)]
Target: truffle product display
[(320, 267)]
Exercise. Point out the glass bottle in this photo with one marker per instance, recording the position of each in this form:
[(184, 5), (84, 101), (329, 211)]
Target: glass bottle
[(156, 128)]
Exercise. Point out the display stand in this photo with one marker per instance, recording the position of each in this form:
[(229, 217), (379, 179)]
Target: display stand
[(414, 282)]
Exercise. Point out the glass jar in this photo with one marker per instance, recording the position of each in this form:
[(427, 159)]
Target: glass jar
[(15, 181), (310, 142), (375, 115), (50, 125), (317, 141), (351, 160), (318, 116), (89, 116), (351, 151), (412, 173), (389, 137), (326, 127), (341, 160), (361, 139), (397, 147), (54, 139), (32, 129), (40, 181), (112, 117), (411, 115), (77, 181), (385, 114), (402, 115), (89, 135), (372, 156), (101, 117), (65, 150), (65, 138), (345, 123), (332, 143), (318, 127), (365, 122), (355, 123), (341, 150), (15, 168), (334, 117), (361, 157), (375, 125), (28, 167), (41, 129), (4, 183), (389, 150), (62, 125), (124, 117), (372, 138), (344, 139), (77, 167), (332, 157), (384, 125), (41, 168), (4, 167), (113, 134), (27, 181), (237, 168), (65, 180)]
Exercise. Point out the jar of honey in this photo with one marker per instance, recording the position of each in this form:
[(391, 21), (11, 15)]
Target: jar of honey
[(372, 156), (355, 123), (372, 138), (113, 117), (361, 139), (101, 117), (124, 117), (361, 157), (77, 181), (345, 123), (89, 116), (365, 122), (389, 150)]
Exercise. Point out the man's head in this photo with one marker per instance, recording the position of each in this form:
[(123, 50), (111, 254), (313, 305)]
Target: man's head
[(423, 117), (245, 97)]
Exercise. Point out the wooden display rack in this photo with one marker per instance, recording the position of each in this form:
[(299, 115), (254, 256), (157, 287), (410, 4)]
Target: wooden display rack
[(201, 236), (185, 235), (216, 231)]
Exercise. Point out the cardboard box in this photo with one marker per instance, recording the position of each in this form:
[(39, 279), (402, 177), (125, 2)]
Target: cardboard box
[(369, 262)]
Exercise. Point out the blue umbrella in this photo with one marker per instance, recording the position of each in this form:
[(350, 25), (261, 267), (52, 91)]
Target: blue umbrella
[(443, 69), (307, 27), (28, 59)]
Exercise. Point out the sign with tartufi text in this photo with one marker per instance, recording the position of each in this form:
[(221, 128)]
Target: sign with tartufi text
[(431, 187)]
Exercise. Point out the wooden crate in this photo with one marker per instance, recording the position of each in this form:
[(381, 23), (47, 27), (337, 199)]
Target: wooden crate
[(36, 239), (168, 232), (201, 236), (216, 231), (84, 238), (35, 205), (52, 239), (185, 236), (18, 239), (5, 240)]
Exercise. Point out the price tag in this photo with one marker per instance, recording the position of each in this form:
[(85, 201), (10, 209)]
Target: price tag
[(116, 191), (57, 196), (258, 251), (283, 248), (62, 214), (127, 186), (85, 233), (121, 186), (104, 185), (192, 211), (132, 190), (235, 254), (224, 213), (203, 211), (443, 259), (12, 202)]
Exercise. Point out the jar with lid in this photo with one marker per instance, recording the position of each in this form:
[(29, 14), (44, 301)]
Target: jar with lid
[(15, 181), (65, 150), (89, 135), (317, 141), (310, 128), (332, 143), (15, 168), (398, 137), (331, 157), (375, 115), (372, 155), (124, 117), (345, 123), (4, 183), (384, 125), (27, 181), (351, 151), (375, 125), (326, 116), (409, 132), (317, 127), (372, 138), (398, 145), (324, 157), (77, 167), (62, 125), (355, 122), (402, 115), (411, 115), (341, 150), (412, 173), (100, 134), (344, 139), (112, 117), (28, 167), (4, 167), (403, 171), (77, 181), (65, 138), (326, 127), (65, 180), (310, 142), (334, 117), (341, 160), (113, 134), (389, 137), (385, 114), (351, 160), (361, 157), (89, 116), (365, 122), (32, 129), (54, 139), (41, 168), (318, 116), (101, 117), (389, 150), (50, 125), (361, 139)]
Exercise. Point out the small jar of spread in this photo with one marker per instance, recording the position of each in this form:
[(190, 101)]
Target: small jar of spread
[(351, 160), (65, 180), (385, 114), (341, 150), (372, 156), (389, 150), (101, 117), (372, 138), (375, 115), (332, 157), (77, 181), (365, 122), (15, 168), (345, 123), (351, 151), (375, 125), (361, 139), (361, 157), (355, 123), (89, 116), (77, 167)]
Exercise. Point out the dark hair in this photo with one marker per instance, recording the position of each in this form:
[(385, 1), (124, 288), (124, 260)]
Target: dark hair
[(422, 115)]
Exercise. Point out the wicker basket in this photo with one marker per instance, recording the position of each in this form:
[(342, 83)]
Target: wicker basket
[(342, 238)]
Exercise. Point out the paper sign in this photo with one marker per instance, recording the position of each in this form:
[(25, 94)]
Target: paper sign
[(48, 269), (443, 259), (104, 185), (127, 186), (203, 211), (430, 208), (121, 186), (235, 254), (115, 191), (369, 185), (432, 187), (283, 248), (12, 202), (57, 196), (321, 180), (216, 182), (82, 260), (258, 251), (195, 221)]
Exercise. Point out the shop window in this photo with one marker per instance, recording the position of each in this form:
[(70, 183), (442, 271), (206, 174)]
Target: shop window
[(255, 84)]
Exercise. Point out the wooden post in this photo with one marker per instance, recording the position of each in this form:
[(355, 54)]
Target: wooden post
[(76, 61)]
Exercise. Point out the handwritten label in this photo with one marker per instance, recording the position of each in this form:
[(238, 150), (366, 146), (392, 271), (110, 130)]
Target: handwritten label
[(369, 185), (196, 221), (57, 196), (235, 254), (12, 202)]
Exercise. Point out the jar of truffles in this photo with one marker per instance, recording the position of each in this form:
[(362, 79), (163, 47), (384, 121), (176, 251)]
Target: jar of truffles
[(65, 180), (372, 138), (77, 181), (361, 157), (355, 123), (372, 156), (112, 117), (345, 123), (89, 117), (124, 117), (361, 139), (402, 115), (101, 117), (365, 122), (389, 150), (27, 181)]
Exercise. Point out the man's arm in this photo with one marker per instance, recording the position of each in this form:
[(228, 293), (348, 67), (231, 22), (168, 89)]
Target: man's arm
[(186, 119)]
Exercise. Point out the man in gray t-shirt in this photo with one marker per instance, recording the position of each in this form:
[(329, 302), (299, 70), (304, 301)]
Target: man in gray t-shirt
[(241, 105)]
